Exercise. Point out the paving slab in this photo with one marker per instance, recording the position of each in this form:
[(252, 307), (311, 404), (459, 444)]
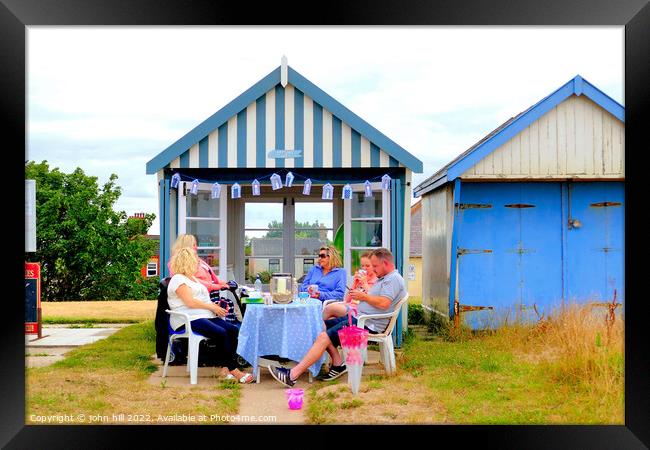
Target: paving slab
[(69, 337)]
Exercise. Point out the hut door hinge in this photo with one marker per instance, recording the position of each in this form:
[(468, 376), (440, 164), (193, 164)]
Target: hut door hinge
[(464, 251)]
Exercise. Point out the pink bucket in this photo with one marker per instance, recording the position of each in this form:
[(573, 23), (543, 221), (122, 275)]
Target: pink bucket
[(294, 397)]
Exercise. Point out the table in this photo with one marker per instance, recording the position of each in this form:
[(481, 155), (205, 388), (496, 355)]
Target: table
[(288, 331)]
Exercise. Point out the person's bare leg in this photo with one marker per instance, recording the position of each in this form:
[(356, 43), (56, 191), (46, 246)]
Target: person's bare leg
[(313, 355), (334, 310), (334, 354)]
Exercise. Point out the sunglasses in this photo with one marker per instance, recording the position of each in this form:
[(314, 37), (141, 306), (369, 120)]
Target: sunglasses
[(323, 255)]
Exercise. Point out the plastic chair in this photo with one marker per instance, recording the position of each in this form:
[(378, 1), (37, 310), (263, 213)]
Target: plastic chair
[(385, 339), (194, 339)]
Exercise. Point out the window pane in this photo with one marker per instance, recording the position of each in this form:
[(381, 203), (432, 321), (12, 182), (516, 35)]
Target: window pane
[(309, 241), (314, 215), (201, 205), (366, 207), (206, 232), (211, 257), (366, 233), (263, 215)]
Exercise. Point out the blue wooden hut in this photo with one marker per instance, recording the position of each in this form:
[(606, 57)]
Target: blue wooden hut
[(531, 216), (284, 123)]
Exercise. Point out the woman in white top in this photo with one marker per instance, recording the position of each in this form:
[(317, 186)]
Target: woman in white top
[(186, 294)]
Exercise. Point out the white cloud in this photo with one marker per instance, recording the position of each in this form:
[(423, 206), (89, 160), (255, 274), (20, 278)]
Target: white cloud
[(108, 99)]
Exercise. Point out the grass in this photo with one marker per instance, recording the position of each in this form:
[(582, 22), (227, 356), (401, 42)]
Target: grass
[(110, 377), (120, 311), (567, 369)]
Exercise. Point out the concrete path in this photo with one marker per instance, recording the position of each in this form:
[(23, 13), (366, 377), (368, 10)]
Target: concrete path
[(56, 341)]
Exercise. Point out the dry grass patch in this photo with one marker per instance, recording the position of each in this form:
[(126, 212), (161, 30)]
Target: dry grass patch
[(400, 399), (98, 311)]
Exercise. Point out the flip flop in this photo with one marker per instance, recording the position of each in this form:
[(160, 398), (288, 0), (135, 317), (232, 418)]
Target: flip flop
[(230, 376), (246, 379)]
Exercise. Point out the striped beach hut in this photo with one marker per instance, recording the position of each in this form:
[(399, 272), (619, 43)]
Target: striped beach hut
[(532, 215), (285, 126)]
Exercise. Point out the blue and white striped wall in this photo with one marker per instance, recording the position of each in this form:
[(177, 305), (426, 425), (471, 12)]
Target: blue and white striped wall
[(286, 119)]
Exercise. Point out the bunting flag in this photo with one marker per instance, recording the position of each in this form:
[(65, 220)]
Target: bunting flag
[(367, 189), (276, 182), (195, 187), (289, 179), (385, 183), (347, 192), (235, 191), (306, 188), (176, 178), (216, 190), (328, 192)]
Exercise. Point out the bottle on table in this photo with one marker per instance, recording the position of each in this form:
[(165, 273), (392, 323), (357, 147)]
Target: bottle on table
[(258, 284)]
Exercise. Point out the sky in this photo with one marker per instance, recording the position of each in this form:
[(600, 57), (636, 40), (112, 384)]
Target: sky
[(109, 99)]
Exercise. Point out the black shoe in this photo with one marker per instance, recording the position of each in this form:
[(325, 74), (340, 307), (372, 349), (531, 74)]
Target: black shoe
[(282, 375), (335, 372)]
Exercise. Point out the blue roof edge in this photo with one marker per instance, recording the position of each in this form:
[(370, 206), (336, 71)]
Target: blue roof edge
[(207, 126), (577, 85), (363, 127)]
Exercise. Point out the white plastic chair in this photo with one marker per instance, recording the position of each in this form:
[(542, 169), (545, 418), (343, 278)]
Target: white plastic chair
[(385, 339), (194, 339)]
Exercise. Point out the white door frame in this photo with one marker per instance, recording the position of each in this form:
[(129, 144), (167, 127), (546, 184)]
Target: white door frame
[(347, 227), (223, 221)]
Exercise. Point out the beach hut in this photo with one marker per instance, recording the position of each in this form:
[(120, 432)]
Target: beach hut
[(282, 144), (531, 216)]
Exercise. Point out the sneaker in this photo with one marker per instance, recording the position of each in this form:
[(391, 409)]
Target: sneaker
[(335, 372), (282, 375)]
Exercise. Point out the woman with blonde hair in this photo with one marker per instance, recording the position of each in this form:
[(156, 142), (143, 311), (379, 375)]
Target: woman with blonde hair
[(186, 294), (328, 275), (205, 275)]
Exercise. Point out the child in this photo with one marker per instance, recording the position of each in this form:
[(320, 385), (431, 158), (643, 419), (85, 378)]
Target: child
[(363, 279)]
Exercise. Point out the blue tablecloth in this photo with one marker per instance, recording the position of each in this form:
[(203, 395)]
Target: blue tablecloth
[(288, 331)]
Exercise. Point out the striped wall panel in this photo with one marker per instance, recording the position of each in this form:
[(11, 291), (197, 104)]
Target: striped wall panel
[(284, 118)]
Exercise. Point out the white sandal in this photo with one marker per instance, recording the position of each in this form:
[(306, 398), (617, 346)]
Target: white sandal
[(230, 376), (247, 379)]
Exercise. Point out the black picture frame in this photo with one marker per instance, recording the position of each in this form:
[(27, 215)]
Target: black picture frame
[(16, 15)]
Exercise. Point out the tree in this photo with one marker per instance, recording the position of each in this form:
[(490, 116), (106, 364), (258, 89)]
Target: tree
[(275, 229), (86, 249)]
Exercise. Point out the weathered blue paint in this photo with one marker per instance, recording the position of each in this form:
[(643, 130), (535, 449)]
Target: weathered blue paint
[(241, 139), (203, 151), (223, 145), (375, 160), (454, 246), (596, 249), (337, 143), (185, 160), (217, 119), (279, 122), (509, 256), (318, 135), (356, 148), (299, 125), (260, 132), (355, 122), (563, 226)]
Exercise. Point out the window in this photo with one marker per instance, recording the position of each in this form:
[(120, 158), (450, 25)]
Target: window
[(205, 218), (367, 222), (152, 269), (274, 265)]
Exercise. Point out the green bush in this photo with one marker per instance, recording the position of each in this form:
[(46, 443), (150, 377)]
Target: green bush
[(416, 315)]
